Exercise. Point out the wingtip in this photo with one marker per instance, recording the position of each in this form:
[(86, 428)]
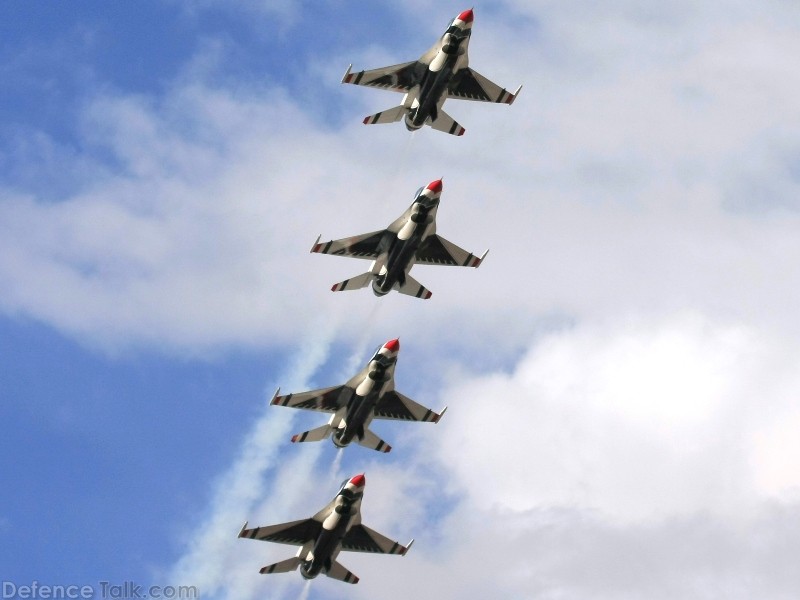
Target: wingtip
[(441, 414), (408, 546), (242, 530), (514, 95), (275, 396), (483, 256), (344, 77), (316, 243)]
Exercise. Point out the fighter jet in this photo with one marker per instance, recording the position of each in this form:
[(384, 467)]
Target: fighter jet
[(335, 528), (440, 73), (408, 240), (368, 395)]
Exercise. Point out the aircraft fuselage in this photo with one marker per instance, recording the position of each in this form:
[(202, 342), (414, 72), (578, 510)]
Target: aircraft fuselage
[(329, 541), (402, 248), (361, 405), (451, 57)]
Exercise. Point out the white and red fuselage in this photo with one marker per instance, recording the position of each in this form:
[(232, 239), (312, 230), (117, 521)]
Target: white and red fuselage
[(398, 249), (424, 101), (345, 512), (360, 408)]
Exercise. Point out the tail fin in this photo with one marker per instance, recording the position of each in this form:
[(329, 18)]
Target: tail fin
[(391, 115), (412, 287), (290, 564), (446, 123), (313, 435), (337, 571), (354, 283), (373, 442)]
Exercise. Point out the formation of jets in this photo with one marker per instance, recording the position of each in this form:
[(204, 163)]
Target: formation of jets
[(440, 73)]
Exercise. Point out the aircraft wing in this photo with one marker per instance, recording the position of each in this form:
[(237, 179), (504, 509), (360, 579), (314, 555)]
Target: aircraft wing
[(358, 246), (361, 538), (325, 399), (435, 250), (295, 533), (471, 85), (394, 405), (398, 78)]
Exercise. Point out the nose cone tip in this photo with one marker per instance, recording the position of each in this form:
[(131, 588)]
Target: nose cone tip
[(466, 16), (359, 480), (435, 186), (392, 345)]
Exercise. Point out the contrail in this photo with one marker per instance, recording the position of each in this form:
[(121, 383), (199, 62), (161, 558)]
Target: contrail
[(365, 341), (305, 591), (214, 561), (336, 466)]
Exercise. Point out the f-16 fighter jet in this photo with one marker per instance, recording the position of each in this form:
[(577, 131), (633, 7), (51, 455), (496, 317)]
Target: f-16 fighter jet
[(335, 528), (440, 73), (408, 240), (368, 395)]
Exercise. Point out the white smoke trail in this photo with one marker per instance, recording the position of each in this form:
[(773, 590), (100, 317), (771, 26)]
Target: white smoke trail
[(305, 591), (214, 561), (336, 466), (365, 342)]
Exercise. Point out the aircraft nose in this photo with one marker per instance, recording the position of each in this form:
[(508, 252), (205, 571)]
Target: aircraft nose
[(392, 345), (466, 16), (359, 480), (435, 186)]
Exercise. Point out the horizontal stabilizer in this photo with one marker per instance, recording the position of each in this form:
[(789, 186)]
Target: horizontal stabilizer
[(285, 566), (387, 116), (412, 287), (313, 435), (446, 123), (337, 571), (355, 283), (373, 442)]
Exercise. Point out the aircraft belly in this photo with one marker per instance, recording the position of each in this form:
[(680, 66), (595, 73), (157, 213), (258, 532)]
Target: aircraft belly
[(358, 416), (327, 544)]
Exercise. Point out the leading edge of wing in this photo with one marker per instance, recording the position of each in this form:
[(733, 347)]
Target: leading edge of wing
[(295, 533), (400, 78), (468, 84), (436, 250), (361, 538), (358, 246)]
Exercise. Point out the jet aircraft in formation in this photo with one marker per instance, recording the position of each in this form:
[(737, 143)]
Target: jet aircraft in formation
[(369, 394), (441, 73), (335, 528), (408, 240)]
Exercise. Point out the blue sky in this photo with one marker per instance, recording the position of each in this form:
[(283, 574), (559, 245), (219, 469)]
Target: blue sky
[(621, 372)]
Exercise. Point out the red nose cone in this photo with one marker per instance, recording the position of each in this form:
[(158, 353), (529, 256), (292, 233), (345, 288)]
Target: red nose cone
[(392, 345), (466, 16), (359, 480), (435, 186)]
